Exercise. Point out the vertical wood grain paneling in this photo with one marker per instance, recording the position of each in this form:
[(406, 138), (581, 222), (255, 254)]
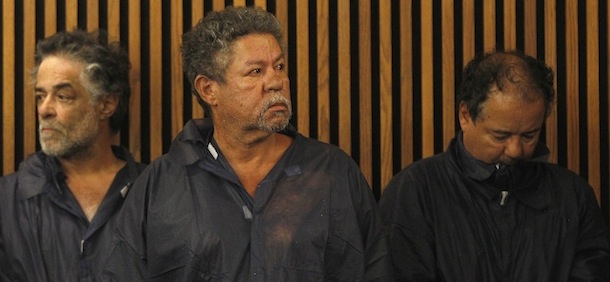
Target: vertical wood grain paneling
[(177, 75), (50, 17), (364, 94), (29, 100), (406, 82), (427, 77), (8, 86), (156, 77), (354, 61), (71, 11), (572, 101), (114, 19), (468, 30), (592, 81), (385, 90), (529, 10), (261, 3), (323, 73), (240, 3), (344, 65), (510, 24), (302, 50), (448, 71), (196, 15), (550, 57), (135, 76), (218, 4), (489, 25), (281, 12), (93, 15)]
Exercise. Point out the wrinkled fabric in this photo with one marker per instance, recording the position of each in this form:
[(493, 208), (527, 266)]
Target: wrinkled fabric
[(44, 234), (453, 218), (188, 218)]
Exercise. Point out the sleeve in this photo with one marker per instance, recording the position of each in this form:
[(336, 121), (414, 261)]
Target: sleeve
[(8, 186), (3, 259), (128, 259), (592, 254), (410, 233)]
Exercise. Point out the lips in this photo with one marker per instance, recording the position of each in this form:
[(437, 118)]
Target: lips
[(47, 129), (278, 106)]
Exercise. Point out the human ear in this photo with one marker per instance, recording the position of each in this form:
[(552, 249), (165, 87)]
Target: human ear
[(205, 89), (108, 105), (464, 115)]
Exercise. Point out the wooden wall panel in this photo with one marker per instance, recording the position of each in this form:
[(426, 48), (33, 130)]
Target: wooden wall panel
[(302, 50), (177, 75), (385, 91), (155, 45), (196, 15), (50, 17), (71, 13), (8, 86), (592, 95), (406, 82), (571, 68), (323, 71), (376, 78), (529, 23), (550, 57), (29, 128), (489, 25), (468, 30), (427, 79), (510, 24), (448, 71), (364, 94), (344, 64), (93, 16), (135, 76)]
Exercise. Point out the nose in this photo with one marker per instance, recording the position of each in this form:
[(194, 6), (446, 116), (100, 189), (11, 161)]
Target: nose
[(45, 107), (514, 148), (275, 80)]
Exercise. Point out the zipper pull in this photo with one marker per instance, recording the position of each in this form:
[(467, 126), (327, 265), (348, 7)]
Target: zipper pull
[(503, 199)]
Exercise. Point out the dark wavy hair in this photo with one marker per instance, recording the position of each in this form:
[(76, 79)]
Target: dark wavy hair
[(206, 48), (512, 70), (106, 66)]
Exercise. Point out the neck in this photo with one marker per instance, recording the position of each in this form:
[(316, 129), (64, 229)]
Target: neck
[(246, 145), (252, 157), (99, 158)]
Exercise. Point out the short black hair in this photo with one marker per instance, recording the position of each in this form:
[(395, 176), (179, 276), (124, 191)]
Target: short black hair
[(505, 69)]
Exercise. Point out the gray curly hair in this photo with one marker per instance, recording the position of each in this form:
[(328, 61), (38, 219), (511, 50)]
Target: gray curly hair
[(206, 48)]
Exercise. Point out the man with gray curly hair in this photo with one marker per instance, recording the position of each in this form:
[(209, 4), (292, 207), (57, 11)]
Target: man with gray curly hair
[(241, 196), (57, 212)]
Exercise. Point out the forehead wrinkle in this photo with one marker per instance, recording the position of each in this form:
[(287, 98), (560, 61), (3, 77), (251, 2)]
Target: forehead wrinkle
[(56, 87)]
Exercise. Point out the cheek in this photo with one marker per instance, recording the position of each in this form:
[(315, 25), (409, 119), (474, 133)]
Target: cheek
[(491, 148)]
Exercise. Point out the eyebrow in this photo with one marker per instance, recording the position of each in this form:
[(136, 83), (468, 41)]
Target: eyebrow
[(257, 62), (56, 87)]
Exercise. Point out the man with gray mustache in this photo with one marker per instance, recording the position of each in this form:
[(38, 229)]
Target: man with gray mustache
[(242, 196), (57, 212)]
